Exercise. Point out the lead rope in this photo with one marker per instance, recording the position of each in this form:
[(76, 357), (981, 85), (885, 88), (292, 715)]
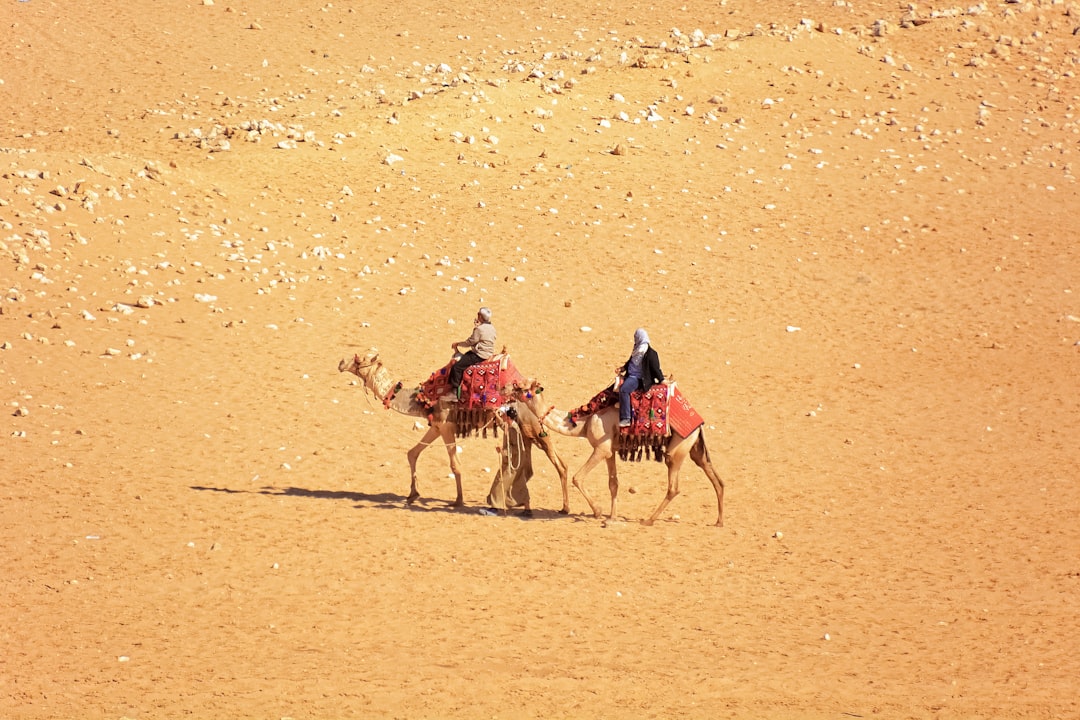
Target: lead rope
[(509, 456)]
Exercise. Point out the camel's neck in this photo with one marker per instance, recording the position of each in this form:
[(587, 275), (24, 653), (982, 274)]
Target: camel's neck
[(557, 420), (379, 380), (383, 386)]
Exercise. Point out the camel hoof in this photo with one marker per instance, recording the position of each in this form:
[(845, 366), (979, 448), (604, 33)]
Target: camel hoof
[(564, 511), (412, 498), (647, 523)]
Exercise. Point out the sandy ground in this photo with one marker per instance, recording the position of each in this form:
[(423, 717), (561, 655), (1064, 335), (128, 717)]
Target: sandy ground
[(850, 230)]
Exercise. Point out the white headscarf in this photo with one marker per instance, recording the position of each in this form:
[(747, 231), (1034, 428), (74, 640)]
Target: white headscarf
[(641, 344), (485, 314)]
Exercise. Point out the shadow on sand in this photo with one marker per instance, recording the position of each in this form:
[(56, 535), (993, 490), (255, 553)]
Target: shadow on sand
[(387, 501)]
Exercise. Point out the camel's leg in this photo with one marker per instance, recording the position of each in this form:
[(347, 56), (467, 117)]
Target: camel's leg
[(612, 483), (560, 467), (700, 455), (451, 450), (598, 454), (414, 455), (673, 461)]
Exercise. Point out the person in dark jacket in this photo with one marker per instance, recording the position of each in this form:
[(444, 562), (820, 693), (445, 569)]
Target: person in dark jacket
[(640, 372)]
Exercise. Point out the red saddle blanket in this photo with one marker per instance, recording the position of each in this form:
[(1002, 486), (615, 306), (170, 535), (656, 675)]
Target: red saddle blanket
[(657, 411), (481, 385)]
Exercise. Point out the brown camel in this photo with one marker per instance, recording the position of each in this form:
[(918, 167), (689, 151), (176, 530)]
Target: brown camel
[(384, 387), (601, 430)]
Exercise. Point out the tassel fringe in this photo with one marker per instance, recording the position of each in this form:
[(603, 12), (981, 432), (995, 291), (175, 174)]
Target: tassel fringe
[(474, 422), (635, 448)]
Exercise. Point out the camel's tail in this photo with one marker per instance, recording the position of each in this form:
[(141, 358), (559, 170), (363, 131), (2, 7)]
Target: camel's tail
[(700, 446), (700, 455)]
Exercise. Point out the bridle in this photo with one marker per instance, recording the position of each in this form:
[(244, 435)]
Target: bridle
[(357, 366), (545, 415), (377, 364), (529, 394)]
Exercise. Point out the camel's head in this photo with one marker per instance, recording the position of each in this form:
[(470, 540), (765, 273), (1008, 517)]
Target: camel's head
[(358, 363), (528, 391)]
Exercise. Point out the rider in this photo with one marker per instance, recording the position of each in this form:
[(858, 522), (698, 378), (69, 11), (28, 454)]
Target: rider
[(641, 371), (481, 346)]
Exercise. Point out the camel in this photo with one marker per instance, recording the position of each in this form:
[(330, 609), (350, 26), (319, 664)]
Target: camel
[(601, 430), (382, 385)]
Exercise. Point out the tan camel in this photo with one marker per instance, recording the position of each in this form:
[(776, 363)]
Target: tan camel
[(384, 387), (601, 430)]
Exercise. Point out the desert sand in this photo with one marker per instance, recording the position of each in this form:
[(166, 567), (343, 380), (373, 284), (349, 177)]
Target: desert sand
[(849, 228)]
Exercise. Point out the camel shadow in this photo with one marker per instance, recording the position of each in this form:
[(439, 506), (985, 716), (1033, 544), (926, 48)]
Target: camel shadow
[(386, 501), (359, 499)]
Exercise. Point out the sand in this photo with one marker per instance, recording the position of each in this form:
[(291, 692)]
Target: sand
[(850, 230)]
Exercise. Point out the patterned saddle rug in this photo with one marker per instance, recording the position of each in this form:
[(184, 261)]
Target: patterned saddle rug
[(655, 414), (481, 392)]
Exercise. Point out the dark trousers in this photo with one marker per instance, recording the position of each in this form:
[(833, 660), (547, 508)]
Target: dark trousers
[(458, 371)]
